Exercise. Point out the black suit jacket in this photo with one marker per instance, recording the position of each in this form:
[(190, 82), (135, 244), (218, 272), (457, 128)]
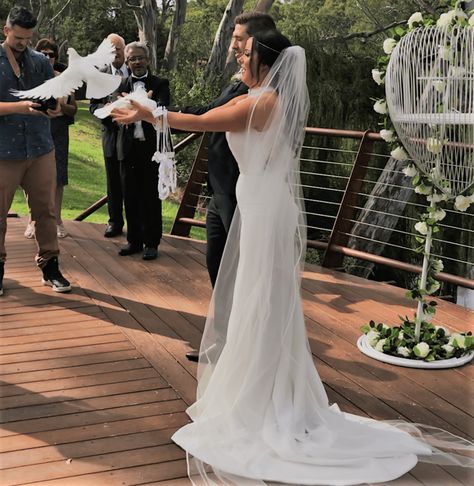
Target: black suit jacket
[(161, 94), (223, 170), (109, 128)]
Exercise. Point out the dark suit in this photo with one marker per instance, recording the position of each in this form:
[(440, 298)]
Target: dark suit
[(140, 173), (112, 165), (223, 173)]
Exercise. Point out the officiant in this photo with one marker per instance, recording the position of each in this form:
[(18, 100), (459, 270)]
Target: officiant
[(136, 145)]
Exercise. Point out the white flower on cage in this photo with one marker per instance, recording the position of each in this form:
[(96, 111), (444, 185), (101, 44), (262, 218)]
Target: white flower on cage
[(439, 85), (380, 107), (388, 45), (378, 76), (403, 351), (422, 189), (449, 349), (434, 145), (399, 153), (460, 14), (471, 20), (457, 71), (437, 197), (438, 215), (444, 52), (462, 203), (421, 227), (446, 18), (372, 338), (387, 135), (457, 340), (421, 350), (437, 266), (380, 344), (410, 170), (416, 18)]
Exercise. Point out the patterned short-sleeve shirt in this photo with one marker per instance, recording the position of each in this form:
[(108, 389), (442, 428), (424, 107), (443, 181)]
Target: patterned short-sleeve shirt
[(24, 136)]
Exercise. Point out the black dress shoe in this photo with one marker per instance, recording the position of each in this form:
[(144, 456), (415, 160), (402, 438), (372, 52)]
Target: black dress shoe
[(130, 249), (193, 356), (149, 253), (112, 231)]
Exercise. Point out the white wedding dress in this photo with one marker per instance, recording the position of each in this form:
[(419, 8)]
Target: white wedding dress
[(262, 413)]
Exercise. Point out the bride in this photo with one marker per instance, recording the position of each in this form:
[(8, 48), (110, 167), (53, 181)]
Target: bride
[(262, 413)]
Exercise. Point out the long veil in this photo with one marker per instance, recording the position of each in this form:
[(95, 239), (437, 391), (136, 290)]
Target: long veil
[(262, 413)]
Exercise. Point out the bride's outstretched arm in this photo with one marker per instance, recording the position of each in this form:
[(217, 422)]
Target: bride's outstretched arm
[(231, 117)]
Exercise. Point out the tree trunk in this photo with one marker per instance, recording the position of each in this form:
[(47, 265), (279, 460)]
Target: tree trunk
[(263, 6), (392, 200), (217, 60), (179, 17), (145, 15)]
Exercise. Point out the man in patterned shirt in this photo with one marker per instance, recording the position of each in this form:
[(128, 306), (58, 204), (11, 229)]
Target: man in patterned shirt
[(26, 147)]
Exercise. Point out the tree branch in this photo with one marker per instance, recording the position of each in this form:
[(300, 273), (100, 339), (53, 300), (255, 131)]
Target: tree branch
[(59, 13), (366, 35)]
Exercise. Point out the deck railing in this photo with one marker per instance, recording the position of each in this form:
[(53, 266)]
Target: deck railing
[(358, 204)]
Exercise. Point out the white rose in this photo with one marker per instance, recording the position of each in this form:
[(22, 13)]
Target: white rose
[(448, 348), (439, 85), (460, 14), (403, 351), (444, 52), (387, 135), (415, 18), (379, 345), (399, 153), (437, 197), (372, 337), (462, 203), (421, 350), (446, 19), (421, 227), (471, 20), (438, 215), (438, 266), (434, 145), (401, 336), (389, 45), (457, 340), (381, 107), (458, 71), (422, 189), (410, 171), (378, 76)]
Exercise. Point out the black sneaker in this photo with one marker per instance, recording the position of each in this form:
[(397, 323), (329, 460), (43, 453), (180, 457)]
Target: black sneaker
[(53, 277), (2, 270)]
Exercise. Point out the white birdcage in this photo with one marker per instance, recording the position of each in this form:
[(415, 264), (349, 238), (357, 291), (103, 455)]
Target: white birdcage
[(430, 97)]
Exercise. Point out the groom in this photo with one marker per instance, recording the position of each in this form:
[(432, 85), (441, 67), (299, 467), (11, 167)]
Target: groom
[(223, 171)]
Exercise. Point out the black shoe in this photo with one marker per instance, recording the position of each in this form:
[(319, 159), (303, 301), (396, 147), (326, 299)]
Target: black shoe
[(193, 356), (2, 270), (150, 253), (53, 277), (112, 231), (130, 249)]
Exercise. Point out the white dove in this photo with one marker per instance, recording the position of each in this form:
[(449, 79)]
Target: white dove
[(139, 94), (80, 70)]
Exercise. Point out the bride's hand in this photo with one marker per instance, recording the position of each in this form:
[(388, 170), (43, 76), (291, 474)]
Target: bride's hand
[(133, 114)]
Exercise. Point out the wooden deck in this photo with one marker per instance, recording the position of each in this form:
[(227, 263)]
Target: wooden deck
[(95, 382)]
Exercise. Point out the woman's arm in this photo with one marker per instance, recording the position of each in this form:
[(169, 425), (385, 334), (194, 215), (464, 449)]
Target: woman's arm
[(233, 116)]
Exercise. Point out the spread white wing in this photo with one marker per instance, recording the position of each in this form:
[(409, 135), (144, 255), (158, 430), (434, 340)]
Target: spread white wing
[(103, 56)]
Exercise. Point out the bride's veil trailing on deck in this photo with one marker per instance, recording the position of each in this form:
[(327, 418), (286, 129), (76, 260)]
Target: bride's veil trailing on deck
[(262, 413)]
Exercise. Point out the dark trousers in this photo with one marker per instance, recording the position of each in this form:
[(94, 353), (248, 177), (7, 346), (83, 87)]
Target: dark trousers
[(219, 217), (140, 190), (114, 192)]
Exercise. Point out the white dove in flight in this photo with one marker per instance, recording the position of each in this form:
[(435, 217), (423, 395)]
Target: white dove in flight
[(79, 70), (138, 94)]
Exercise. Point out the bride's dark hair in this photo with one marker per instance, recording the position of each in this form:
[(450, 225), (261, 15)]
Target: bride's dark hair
[(268, 45)]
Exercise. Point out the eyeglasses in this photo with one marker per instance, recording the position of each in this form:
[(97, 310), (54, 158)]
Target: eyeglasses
[(49, 54), (136, 59)]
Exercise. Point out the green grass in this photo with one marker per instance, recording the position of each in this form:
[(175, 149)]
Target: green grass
[(87, 181)]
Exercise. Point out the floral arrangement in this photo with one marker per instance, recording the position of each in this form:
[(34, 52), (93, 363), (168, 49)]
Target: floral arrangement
[(434, 342)]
